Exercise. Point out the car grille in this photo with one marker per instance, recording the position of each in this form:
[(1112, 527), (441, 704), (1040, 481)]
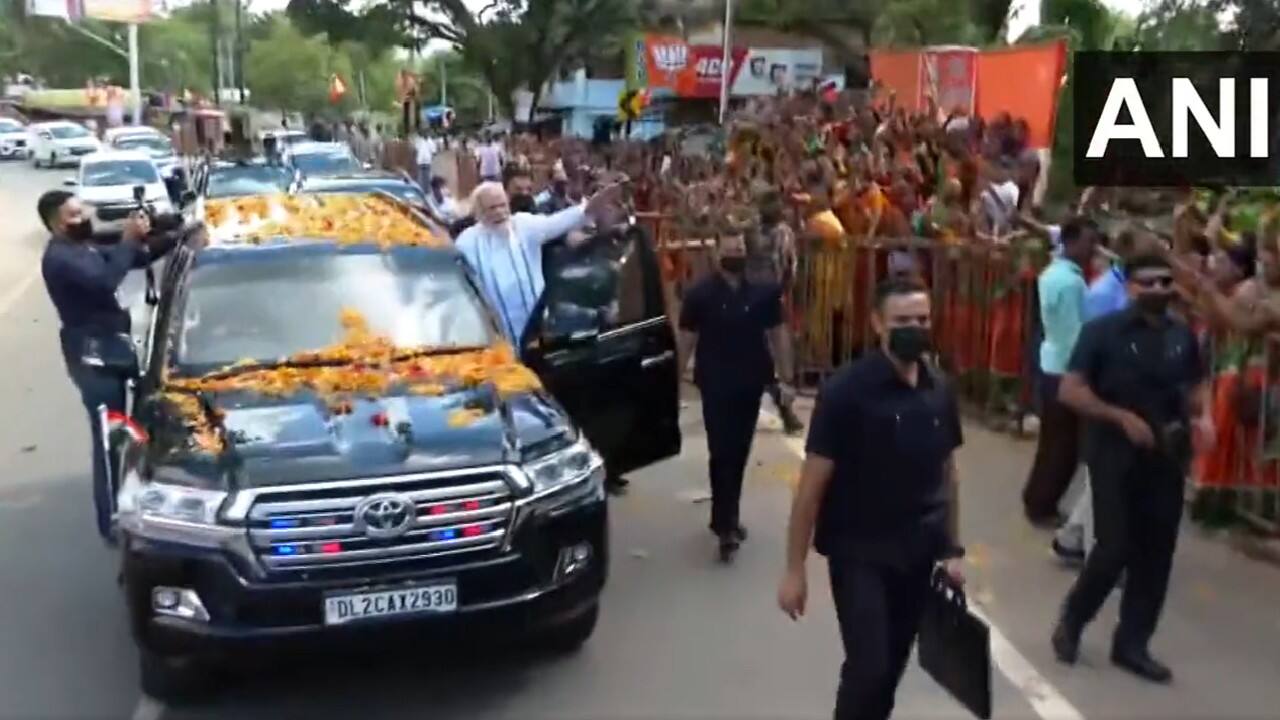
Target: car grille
[(19, 143), (111, 213), (315, 529), (81, 151)]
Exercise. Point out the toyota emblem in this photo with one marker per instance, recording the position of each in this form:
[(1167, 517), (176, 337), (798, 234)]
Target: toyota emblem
[(384, 516)]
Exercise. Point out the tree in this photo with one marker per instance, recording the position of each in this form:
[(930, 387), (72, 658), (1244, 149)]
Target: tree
[(512, 44), (289, 71)]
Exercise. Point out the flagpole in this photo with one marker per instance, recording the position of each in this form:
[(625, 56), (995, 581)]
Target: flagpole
[(726, 60)]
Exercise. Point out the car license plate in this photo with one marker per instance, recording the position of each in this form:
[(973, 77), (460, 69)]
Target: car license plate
[(435, 598)]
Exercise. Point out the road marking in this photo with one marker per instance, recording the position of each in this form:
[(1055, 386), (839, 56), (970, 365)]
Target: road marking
[(148, 709), (8, 299), (1044, 698)]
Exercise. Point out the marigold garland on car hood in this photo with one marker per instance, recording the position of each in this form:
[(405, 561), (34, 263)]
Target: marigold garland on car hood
[(363, 364), (345, 219)]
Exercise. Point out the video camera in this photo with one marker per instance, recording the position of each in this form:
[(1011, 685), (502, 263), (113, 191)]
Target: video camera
[(165, 228)]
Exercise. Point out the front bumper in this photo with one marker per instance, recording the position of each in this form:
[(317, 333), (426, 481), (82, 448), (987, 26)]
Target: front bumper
[(10, 150), (516, 591)]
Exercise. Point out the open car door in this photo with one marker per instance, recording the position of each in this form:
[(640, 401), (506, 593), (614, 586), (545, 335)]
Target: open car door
[(603, 344)]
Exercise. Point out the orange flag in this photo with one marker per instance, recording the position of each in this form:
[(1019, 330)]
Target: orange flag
[(337, 89)]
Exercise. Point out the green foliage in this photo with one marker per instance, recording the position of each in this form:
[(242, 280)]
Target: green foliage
[(290, 71)]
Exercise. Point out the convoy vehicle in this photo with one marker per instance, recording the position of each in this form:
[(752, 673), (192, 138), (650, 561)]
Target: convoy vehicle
[(15, 142), (329, 439), (106, 185), (61, 143), (244, 177), (151, 142), (317, 159)]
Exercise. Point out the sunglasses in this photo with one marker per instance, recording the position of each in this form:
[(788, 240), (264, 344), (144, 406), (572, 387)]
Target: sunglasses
[(1163, 282)]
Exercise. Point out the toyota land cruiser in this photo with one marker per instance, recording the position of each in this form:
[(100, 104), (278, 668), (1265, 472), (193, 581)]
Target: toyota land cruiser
[(329, 439)]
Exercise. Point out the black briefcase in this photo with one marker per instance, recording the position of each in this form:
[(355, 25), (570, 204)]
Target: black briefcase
[(955, 647)]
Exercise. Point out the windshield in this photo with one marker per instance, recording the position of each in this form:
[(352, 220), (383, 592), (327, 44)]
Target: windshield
[(151, 143), (119, 172), (248, 180), (10, 126), (272, 308), (68, 132), (329, 162)]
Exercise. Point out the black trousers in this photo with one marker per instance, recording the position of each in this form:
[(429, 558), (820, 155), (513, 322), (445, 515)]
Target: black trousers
[(1137, 506), (730, 418), (879, 609), (1057, 453), (99, 387)]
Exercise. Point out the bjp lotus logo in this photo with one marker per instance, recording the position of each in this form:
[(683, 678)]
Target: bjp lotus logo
[(670, 57)]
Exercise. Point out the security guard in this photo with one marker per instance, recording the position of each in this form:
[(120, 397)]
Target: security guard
[(82, 278), (736, 329), (879, 485), (1138, 378)]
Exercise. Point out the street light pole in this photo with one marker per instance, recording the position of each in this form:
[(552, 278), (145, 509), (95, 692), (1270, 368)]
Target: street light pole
[(214, 32), (134, 83), (726, 60), (240, 50), (444, 82)]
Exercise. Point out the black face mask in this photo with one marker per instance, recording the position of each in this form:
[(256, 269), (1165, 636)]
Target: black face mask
[(1153, 303), (734, 265), (522, 203), (82, 230), (909, 343)]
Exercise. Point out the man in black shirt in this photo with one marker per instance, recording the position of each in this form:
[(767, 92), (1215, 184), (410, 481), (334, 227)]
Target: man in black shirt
[(736, 329), (1138, 378), (879, 485), (82, 278)]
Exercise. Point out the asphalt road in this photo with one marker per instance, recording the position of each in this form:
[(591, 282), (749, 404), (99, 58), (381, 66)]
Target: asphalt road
[(680, 636)]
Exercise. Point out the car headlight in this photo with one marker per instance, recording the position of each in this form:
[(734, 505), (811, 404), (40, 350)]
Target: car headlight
[(162, 501), (564, 467)]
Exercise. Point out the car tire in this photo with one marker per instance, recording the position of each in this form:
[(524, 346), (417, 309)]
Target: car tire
[(172, 679), (569, 637)]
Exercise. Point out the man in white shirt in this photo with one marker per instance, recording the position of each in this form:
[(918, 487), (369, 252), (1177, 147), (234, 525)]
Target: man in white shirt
[(505, 250), (424, 148), (491, 158)]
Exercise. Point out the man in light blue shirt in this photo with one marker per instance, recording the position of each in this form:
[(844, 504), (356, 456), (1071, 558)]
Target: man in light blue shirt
[(505, 251), (1062, 291)]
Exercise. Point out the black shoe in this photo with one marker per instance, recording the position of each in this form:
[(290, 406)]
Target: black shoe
[(616, 485), (728, 546), (1140, 663), (740, 534), (1066, 643), (1070, 556), (791, 424)]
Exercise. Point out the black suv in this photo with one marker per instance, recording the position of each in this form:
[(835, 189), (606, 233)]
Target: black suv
[(461, 492)]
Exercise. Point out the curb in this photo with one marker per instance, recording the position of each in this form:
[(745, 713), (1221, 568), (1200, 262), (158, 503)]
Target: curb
[(1256, 548)]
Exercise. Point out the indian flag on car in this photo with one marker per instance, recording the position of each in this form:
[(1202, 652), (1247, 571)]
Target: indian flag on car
[(120, 423)]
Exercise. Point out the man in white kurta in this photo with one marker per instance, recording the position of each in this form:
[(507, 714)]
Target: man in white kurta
[(505, 251)]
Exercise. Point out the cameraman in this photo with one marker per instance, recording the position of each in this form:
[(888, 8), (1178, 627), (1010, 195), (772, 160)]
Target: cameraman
[(82, 277)]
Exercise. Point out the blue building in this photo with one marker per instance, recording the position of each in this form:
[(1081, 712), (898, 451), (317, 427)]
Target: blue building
[(581, 101)]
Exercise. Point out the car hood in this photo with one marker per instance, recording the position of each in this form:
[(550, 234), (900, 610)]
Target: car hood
[(275, 442), (119, 194), (13, 135), (86, 142)]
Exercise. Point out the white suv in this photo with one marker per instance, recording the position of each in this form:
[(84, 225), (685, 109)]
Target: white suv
[(14, 141), (61, 142), (106, 188)]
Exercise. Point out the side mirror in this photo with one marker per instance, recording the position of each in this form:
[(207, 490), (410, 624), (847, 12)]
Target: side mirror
[(70, 182)]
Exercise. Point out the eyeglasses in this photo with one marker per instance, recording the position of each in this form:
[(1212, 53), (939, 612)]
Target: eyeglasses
[(1163, 282)]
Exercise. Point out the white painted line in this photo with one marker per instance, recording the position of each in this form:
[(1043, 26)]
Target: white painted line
[(8, 299), (1044, 698), (148, 709)]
